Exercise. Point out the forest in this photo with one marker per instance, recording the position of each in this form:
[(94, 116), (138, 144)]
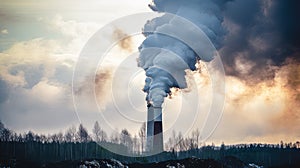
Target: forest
[(78, 144)]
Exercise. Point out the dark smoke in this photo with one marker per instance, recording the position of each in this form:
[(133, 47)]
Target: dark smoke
[(260, 35), (263, 33)]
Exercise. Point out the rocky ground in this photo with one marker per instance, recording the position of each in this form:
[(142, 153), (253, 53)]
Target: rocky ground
[(228, 162)]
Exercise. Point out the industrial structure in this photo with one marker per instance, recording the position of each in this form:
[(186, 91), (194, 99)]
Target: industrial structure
[(154, 129)]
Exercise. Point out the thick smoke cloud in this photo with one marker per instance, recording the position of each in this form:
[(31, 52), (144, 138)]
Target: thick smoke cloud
[(261, 34), (166, 59), (262, 48), (259, 37)]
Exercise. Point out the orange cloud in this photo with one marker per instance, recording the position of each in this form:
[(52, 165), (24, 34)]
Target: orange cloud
[(124, 41)]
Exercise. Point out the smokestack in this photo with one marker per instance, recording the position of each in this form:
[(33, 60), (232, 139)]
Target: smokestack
[(171, 47), (154, 129), (150, 127)]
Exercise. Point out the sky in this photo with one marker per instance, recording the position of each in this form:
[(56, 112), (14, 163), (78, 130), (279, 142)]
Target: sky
[(41, 42)]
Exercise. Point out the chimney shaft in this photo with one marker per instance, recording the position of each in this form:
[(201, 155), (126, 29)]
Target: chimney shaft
[(150, 127), (154, 129)]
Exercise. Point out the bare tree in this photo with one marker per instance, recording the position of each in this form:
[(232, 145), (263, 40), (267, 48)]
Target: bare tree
[(82, 134), (136, 144), (103, 135), (174, 140), (29, 136), (1, 127), (115, 137), (14, 137), (142, 135), (171, 143), (5, 134), (96, 131), (37, 138), (168, 146), (99, 134), (70, 135), (196, 136), (60, 137), (54, 138), (126, 138), (180, 142), (43, 138)]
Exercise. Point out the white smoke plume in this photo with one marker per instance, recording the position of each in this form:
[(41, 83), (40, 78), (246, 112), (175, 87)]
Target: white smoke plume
[(164, 58)]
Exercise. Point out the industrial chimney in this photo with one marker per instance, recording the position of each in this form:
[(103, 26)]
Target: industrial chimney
[(154, 129)]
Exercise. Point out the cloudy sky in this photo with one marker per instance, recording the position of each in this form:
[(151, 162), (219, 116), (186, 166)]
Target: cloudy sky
[(41, 42)]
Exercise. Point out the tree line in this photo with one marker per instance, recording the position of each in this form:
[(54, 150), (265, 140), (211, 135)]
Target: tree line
[(134, 144), (78, 144)]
